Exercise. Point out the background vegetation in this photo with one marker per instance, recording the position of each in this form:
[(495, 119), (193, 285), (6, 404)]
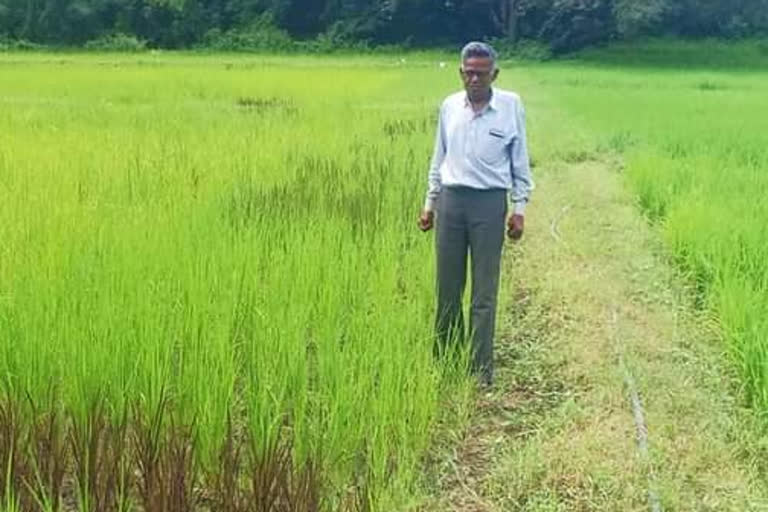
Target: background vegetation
[(320, 25)]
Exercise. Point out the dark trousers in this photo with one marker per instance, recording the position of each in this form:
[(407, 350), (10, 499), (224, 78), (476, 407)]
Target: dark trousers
[(469, 221)]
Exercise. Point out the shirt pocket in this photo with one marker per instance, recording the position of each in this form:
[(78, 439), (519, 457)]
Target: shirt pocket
[(492, 147)]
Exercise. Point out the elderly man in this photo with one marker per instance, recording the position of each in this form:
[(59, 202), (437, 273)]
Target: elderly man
[(480, 157)]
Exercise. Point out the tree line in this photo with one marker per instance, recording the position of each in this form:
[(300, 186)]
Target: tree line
[(559, 25)]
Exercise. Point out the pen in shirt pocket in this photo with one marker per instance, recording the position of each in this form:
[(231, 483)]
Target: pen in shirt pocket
[(496, 133)]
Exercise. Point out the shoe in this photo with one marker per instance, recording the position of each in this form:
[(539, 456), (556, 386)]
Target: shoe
[(485, 381)]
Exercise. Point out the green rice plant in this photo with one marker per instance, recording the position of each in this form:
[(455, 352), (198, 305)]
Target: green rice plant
[(227, 292)]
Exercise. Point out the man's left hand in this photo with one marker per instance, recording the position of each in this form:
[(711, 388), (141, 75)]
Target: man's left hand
[(515, 226)]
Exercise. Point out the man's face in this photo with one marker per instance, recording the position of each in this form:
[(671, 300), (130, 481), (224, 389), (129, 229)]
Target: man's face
[(478, 74)]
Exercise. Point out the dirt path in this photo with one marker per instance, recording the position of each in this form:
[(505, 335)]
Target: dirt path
[(591, 301)]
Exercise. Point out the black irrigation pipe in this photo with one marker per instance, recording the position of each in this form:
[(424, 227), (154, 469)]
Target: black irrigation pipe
[(641, 426), (638, 414), (553, 226)]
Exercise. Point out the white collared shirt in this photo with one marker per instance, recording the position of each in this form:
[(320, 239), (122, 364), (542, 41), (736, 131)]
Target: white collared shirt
[(484, 150)]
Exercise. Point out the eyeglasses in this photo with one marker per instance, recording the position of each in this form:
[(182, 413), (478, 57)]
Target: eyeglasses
[(469, 73)]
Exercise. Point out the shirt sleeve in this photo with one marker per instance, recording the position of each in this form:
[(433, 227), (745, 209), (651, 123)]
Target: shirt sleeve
[(438, 155), (522, 181)]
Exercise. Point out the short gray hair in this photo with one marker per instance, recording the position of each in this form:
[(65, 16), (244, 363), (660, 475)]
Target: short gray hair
[(478, 49)]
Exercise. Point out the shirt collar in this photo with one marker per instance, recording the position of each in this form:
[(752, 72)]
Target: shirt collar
[(492, 104)]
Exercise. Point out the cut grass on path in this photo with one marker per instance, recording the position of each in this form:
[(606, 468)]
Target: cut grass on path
[(589, 287)]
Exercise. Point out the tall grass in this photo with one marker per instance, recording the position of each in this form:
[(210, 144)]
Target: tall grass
[(212, 291)]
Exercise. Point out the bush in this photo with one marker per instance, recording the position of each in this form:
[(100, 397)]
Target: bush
[(117, 43), (332, 40), (762, 47), (526, 49), (260, 35), (7, 45)]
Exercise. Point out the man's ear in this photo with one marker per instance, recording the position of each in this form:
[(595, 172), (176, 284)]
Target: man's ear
[(495, 74)]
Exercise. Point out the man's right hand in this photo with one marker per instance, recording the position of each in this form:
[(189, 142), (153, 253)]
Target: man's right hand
[(515, 226), (426, 220)]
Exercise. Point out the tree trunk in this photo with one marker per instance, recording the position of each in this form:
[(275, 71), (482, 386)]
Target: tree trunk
[(509, 16), (26, 31)]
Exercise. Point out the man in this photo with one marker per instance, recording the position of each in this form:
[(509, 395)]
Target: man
[(480, 157)]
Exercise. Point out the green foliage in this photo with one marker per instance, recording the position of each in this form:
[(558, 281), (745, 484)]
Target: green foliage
[(634, 17), (525, 49), (260, 35), (117, 43), (574, 24), (336, 38), (247, 40), (326, 25), (18, 45)]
